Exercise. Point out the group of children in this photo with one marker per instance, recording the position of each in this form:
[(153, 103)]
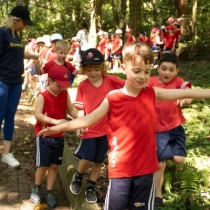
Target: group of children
[(138, 121)]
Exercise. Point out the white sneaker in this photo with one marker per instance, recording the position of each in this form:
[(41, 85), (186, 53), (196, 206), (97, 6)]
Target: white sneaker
[(10, 160)]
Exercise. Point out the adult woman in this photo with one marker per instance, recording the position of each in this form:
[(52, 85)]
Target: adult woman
[(11, 69)]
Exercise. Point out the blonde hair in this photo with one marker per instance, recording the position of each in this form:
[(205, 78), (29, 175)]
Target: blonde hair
[(102, 67), (62, 45), (8, 23), (134, 50)]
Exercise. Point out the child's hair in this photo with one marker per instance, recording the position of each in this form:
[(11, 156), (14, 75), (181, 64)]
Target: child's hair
[(169, 57), (136, 49), (62, 45), (102, 67)]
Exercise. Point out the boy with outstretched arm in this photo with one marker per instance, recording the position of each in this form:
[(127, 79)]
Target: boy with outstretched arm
[(131, 131), (93, 145), (170, 134), (51, 107)]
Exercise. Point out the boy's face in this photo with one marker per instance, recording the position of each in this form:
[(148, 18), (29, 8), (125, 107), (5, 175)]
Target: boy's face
[(137, 73), (93, 73), (54, 87), (61, 54), (167, 71)]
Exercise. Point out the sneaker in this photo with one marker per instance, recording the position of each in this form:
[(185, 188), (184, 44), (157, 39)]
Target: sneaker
[(50, 200), (76, 184), (158, 202), (10, 160), (90, 195), (35, 194)]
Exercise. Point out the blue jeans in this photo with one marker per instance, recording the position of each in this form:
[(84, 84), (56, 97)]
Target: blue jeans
[(9, 99)]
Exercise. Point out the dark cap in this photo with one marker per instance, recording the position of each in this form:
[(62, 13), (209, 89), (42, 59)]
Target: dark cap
[(92, 56), (61, 75), (22, 13)]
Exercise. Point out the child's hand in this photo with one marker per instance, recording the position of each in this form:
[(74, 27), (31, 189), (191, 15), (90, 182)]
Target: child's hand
[(182, 102), (80, 132), (45, 132)]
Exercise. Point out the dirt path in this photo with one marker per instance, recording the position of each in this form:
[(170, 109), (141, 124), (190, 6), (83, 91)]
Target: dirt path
[(15, 184)]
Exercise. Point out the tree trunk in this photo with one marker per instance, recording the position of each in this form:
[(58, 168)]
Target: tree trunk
[(135, 15), (182, 7)]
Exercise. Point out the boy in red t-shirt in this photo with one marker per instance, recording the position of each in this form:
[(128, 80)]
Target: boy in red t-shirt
[(51, 107), (131, 130), (170, 134), (61, 51), (93, 146)]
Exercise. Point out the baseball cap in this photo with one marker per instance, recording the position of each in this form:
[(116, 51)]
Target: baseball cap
[(92, 56), (100, 33), (61, 75), (22, 13), (118, 31), (128, 30)]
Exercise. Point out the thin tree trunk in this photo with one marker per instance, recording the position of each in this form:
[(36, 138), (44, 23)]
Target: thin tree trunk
[(194, 25)]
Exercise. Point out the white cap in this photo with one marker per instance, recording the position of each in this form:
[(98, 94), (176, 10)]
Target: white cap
[(118, 31)]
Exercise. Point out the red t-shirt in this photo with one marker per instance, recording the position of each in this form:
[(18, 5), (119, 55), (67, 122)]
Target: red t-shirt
[(90, 97), (145, 40), (131, 131), (130, 39), (54, 107), (117, 43), (101, 46), (178, 34), (169, 41), (50, 56), (169, 114)]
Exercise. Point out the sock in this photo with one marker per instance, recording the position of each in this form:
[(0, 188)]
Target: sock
[(91, 184), (49, 192), (80, 175)]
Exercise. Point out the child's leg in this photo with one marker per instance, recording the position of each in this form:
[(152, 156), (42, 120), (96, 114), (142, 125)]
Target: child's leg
[(159, 177), (95, 172), (178, 159), (115, 64), (130, 193), (39, 176), (51, 176)]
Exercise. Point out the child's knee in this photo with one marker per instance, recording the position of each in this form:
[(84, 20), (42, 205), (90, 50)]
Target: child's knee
[(178, 159)]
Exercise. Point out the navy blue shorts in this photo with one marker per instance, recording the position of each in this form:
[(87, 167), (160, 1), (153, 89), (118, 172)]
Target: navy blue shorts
[(92, 149), (49, 150), (116, 56), (171, 143), (131, 193)]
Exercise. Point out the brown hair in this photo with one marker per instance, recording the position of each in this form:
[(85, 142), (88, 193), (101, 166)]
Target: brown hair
[(102, 67), (136, 49), (62, 45)]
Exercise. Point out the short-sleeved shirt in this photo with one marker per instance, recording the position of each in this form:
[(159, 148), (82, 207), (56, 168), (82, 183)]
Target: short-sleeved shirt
[(11, 57), (117, 43), (101, 46), (131, 131), (130, 39), (50, 56), (169, 41), (169, 114), (90, 97), (54, 107)]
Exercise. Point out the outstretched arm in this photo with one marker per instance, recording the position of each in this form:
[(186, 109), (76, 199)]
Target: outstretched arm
[(173, 94), (82, 122)]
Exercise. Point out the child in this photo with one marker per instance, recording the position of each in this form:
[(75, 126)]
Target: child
[(93, 146), (117, 50), (131, 131), (61, 50), (170, 40), (130, 36), (170, 134), (52, 105)]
